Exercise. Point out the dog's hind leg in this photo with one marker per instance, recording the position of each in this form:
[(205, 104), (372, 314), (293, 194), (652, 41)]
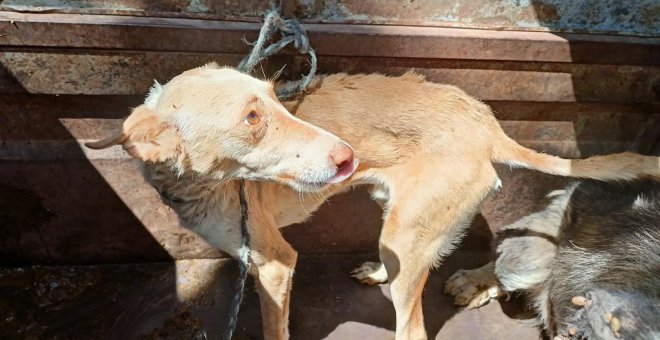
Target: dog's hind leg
[(407, 264), (373, 273), (526, 248), (274, 262), (423, 222)]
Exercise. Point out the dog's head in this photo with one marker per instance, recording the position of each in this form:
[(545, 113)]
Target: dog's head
[(223, 123)]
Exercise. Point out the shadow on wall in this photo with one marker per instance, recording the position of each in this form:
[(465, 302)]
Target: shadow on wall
[(87, 247), (56, 208), (626, 78)]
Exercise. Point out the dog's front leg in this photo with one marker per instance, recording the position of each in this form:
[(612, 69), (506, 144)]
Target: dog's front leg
[(274, 262)]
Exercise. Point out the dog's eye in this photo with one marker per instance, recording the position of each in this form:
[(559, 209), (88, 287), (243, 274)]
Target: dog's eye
[(251, 119)]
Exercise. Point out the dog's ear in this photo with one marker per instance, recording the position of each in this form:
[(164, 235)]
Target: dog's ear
[(145, 136)]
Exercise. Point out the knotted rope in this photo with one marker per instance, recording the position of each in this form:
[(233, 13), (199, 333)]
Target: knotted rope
[(292, 32)]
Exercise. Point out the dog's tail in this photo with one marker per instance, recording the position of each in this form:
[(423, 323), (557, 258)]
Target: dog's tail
[(621, 166)]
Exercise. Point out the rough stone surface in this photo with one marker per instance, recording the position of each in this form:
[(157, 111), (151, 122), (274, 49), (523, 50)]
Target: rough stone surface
[(108, 74), (189, 300), (609, 16), (122, 55), (639, 17)]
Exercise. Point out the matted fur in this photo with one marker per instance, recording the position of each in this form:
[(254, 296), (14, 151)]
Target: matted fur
[(600, 241), (427, 149), (589, 262)]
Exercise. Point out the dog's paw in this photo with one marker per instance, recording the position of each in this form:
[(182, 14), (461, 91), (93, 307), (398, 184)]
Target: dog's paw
[(473, 288), (370, 273)]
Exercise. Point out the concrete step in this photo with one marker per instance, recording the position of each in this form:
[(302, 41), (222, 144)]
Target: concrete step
[(109, 54), (189, 299)]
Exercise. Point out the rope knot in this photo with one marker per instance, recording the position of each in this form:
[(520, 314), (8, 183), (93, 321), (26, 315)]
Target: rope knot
[(292, 32), (300, 40)]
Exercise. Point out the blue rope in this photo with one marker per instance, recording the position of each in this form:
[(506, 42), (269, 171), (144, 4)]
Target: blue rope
[(292, 32)]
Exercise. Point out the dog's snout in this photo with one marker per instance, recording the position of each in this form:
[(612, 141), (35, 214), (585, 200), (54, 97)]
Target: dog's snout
[(342, 156)]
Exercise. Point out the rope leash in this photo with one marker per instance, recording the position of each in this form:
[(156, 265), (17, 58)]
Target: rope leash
[(292, 32), (243, 264)]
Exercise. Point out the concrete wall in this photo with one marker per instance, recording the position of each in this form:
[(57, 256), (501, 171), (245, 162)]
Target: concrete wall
[(638, 17)]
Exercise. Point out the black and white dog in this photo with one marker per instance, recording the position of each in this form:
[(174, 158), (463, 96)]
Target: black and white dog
[(589, 263)]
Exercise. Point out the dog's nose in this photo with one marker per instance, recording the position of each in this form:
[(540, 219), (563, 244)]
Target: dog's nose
[(342, 156)]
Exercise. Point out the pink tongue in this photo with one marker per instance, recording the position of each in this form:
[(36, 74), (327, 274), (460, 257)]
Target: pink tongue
[(343, 173)]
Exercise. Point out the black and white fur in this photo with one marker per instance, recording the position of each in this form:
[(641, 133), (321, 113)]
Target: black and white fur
[(589, 262), (607, 249)]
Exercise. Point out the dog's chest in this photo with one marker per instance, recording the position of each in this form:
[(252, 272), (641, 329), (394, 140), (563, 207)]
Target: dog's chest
[(289, 207), (291, 216)]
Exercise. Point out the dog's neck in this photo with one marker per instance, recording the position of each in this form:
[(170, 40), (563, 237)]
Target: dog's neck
[(205, 202), (195, 198)]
